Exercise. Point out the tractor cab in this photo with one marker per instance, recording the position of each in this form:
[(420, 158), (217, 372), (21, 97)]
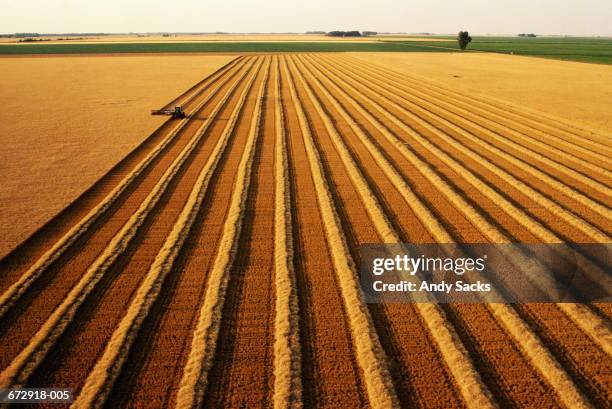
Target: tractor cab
[(178, 112)]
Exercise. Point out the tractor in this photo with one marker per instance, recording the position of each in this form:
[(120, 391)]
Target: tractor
[(177, 112)]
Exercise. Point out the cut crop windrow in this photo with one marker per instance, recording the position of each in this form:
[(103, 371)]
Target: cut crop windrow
[(370, 354), (287, 353), (12, 294), (465, 115), (535, 119), (100, 380), (195, 374), (532, 346), (459, 102), (561, 187), (21, 368), (531, 224), (557, 148), (434, 227), (474, 391), (593, 325)]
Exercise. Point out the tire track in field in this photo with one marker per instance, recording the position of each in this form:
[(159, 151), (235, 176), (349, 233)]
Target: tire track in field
[(24, 364), (370, 355), (202, 353), (495, 121), (467, 379), (516, 333), (536, 120), (287, 351), (99, 381), (26, 279)]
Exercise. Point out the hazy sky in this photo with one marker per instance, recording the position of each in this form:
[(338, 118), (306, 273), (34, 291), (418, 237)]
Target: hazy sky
[(578, 17)]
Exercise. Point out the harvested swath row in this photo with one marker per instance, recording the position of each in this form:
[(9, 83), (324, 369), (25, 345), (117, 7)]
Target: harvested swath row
[(530, 381), (325, 334), (538, 121), (418, 369), (579, 157), (356, 129), (152, 371), (99, 381), (287, 353), (38, 303), (243, 370), (534, 226), (495, 121), (498, 237), (193, 92), (533, 347), (501, 357), (27, 278), (593, 326), (532, 171), (472, 388), (13, 266), (560, 158), (435, 228), (204, 342), (370, 356), (519, 263), (20, 369)]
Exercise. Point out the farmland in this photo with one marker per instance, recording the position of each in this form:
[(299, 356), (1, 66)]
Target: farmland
[(582, 49), (214, 47), (215, 266), (66, 121)]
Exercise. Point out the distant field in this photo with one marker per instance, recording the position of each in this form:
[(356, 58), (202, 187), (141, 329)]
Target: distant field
[(596, 50), (106, 48)]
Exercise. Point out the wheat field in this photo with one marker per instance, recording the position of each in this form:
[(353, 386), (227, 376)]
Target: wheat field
[(216, 266)]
